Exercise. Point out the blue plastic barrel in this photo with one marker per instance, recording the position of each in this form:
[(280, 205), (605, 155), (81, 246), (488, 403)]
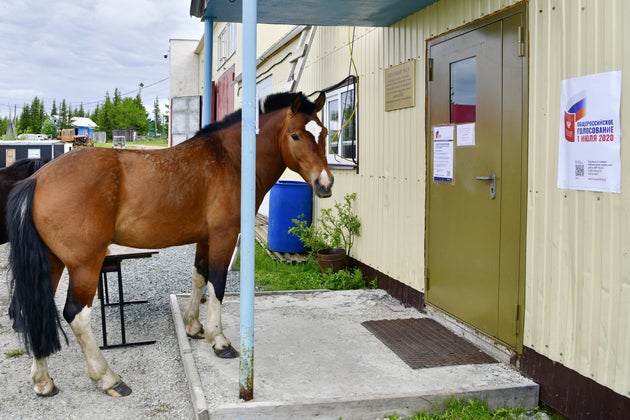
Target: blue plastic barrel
[(287, 201)]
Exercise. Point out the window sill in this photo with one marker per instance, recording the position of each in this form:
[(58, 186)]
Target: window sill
[(336, 163)]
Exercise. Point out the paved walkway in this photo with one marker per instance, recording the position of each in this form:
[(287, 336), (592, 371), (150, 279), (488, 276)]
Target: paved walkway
[(313, 358)]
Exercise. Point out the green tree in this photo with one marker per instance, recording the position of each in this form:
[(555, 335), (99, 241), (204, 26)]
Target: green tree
[(38, 115), (129, 114), (117, 97), (4, 125), (53, 110), (24, 123), (64, 115), (49, 129), (157, 116), (104, 116)]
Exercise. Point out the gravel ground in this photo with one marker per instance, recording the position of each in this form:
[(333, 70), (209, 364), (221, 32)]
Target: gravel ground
[(154, 372)]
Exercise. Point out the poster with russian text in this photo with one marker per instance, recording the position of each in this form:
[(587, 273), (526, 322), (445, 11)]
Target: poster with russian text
[(443, 153), (590, 134)]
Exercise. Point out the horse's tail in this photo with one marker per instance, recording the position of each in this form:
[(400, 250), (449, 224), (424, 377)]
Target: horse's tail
[(32, 306)]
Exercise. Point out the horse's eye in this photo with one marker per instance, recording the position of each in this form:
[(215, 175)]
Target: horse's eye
[(295, 137)]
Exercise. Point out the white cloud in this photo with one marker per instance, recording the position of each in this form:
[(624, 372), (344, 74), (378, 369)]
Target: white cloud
[(77, 50)]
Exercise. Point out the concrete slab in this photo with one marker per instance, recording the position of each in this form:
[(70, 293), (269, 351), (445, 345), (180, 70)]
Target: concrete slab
[(313, 358)]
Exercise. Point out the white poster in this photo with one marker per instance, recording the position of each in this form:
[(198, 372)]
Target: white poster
[(590, 134), (443, 153), (466, 134)]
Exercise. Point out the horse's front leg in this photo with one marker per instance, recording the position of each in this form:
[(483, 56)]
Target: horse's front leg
[(77, 312), (211, 270), (193, 326)]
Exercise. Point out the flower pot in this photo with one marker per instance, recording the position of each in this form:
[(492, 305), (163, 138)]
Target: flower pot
[(331, 258)]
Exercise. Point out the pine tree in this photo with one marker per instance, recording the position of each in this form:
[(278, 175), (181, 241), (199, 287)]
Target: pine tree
[(64, 115), (24, 123), (157, 116)]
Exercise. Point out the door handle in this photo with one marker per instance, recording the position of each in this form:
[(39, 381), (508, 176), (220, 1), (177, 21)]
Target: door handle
[(493, 183)]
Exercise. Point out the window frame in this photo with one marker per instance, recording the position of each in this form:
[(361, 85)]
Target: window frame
[(227, 43), (335, 94)]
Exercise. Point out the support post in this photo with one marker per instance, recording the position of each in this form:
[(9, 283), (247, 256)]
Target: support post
[(248, 201), (206, 98)]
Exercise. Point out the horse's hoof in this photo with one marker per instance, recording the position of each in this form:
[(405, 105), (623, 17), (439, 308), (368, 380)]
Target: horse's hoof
[(227, 352), (198, 335), (119, 390), (52, 393)]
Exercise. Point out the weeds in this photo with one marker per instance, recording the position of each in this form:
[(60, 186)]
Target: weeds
[(476, 410), (13, 353), (272, 275)]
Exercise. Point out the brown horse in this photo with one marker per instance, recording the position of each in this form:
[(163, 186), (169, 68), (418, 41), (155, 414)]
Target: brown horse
[(146, 199), (9, 176)]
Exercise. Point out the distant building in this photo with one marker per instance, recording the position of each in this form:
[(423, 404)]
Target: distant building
[(83, 125)]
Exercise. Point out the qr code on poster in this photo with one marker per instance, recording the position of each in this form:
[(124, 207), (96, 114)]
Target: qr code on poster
[(579, 168)]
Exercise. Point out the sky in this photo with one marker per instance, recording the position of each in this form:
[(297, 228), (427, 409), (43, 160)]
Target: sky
[(79, 49)]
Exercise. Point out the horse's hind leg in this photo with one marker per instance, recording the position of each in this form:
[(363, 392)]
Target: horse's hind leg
[(77, 312), (43, 384)]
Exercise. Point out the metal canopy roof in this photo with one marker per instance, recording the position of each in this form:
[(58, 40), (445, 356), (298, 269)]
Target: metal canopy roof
[(312, 12)]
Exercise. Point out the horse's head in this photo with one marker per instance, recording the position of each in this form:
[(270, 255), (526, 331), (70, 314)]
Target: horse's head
[(303, 144)]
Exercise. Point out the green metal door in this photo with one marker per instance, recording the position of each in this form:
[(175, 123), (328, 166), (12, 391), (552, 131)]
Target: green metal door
[(476, 177)]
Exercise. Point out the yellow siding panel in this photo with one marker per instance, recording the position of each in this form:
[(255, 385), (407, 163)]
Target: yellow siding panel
[(578, 243), (390, 183)]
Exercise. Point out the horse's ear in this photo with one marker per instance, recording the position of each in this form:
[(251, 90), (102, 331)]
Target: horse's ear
[(297, 102), (320, 101)]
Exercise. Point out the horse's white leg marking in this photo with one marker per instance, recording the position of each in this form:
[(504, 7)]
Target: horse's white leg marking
[(42, 382), (96, 364), (191, 314), (313, 128), (214, 330)]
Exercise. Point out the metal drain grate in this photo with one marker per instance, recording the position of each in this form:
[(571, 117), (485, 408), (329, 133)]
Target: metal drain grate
[(424, 343)]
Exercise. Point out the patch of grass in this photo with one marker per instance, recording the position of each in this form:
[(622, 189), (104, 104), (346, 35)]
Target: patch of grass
[(13, 353), (148, 141), (476, 410), (273, 275)]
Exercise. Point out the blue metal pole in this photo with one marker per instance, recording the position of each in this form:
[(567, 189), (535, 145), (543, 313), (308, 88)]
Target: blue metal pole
[(206, 114), (248, 200)]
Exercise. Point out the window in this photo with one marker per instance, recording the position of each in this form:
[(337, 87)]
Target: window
[(227, 42), (340, 117), (464, 91)]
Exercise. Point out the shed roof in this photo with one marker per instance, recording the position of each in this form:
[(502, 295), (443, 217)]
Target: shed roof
[(83, 122), (312, 12)]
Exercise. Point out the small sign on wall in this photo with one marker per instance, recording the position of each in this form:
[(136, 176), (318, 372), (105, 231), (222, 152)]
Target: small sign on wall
[(400, 86), (34, 154)]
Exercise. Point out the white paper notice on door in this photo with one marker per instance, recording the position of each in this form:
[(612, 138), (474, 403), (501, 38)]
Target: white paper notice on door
[(443, 153), (466, 134)]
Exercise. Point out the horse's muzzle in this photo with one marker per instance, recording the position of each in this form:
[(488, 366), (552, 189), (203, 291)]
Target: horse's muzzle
[(321, 190)]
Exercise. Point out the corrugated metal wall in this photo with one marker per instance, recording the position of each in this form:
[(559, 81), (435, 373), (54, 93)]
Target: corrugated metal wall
[(390, 182), (578, 245)]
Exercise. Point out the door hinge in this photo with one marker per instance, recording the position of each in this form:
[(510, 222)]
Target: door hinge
[(430, 69), (426, 276), (521, 41), (518, 315)]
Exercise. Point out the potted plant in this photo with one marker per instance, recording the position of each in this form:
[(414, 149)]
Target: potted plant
[(332, 239)]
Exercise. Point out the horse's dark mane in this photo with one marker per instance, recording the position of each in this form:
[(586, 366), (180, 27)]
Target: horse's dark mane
[(271, 103)]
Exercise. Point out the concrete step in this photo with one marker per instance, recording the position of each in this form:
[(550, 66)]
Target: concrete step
[(313, 358)]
